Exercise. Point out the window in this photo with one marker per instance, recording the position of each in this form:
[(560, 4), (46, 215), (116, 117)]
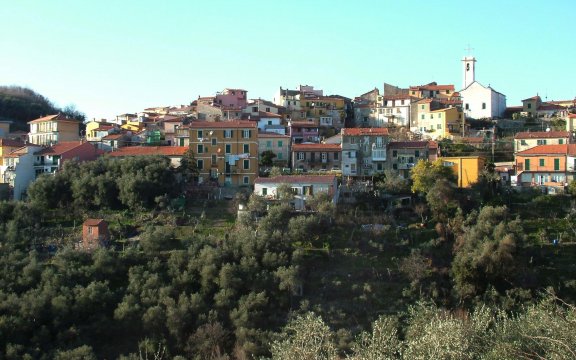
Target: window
[(279, 156), (300, 156), (246, 164), (541, 162), (352, 140), (438, 126), (324, 156), (254, 108), (395, 166), (200, 164), (264, 191), (214, 141), (228, 148), (228, 134), (199, 148), (267, 109), (269, 143), (467, 107), (402, 102), (246, 148), (417, 153), (335, 156), (483, 106), (529, 106), (560, 141), (200, 134), (541, 142), (394, 153), (440, 116), (431, 116), (556, 164), (422, 107), (422, 117), (279, 143), (246, 134), (527, 164), (214, 160), (246, 180)]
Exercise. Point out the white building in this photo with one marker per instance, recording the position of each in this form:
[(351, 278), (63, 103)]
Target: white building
[(479, 101), (302, 186), (393, 110), (18, 169)]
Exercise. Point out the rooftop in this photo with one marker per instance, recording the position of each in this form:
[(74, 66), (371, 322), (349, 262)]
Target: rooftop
[(149, 151), (297, 179), (542, 135), (364, 131)]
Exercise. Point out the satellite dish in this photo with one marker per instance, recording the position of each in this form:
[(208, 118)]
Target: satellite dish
[(547, 129)]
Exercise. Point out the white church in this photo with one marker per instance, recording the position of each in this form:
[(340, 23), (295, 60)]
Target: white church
[(479, 101)]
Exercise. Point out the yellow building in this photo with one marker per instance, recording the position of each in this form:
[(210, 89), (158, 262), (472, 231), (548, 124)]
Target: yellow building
[(466, 168), (133, 126), (441, 123), (226, 152), (96, 130), (53, 129)]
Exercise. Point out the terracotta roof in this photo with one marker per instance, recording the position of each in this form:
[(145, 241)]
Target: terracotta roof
[(364, 131), (433, 144), (432, 86), (17, 153), (303, 123), (550, 150), (292, 179), (408, 144), (572, 116), (311, 147), (269, 134), (11, 143), (542, 135), (533, 98), (473, 140), (93, 222), (150, 151), (547, 106), (222, 124), (60, 148), (113, 136), (57, 117)]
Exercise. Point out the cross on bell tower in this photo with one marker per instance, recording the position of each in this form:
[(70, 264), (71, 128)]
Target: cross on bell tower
[(468, 68)]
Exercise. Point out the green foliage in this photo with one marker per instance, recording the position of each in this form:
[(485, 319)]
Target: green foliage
[(485, 252), (393, 183), (267, 158), (133, 183), (425, 174)]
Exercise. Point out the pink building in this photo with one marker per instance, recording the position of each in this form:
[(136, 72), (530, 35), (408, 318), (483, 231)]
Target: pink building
[(232, 98)]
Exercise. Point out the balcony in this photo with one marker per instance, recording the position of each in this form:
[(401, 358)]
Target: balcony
[(378, 155), (405, 166)]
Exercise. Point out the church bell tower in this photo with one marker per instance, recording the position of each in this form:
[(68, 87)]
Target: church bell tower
[(468, 69)]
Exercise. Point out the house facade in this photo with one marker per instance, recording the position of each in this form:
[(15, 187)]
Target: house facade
[(278, 144), (226, 152), (526, 140), (304, 131), (53, 129), (394, 110), (7, 146), (18, 170), (403, 155), (546, 166), (316, 157), (50, 159), (441, 123), (364, 151), (303, 186), (466, 168)]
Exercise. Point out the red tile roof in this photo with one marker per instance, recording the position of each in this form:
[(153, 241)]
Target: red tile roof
[(149, 151), (316, 147), (293, 179), (57, 117), (269, 134), (564, 149), (11, 143), (93, 222), (533, 98), (364, 131), (542, 135), (60, 148), (222, 124), (408, 144)]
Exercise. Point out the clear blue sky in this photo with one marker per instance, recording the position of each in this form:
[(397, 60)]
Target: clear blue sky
[(111, 57)]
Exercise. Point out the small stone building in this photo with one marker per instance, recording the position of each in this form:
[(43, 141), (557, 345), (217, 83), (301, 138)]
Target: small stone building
[(94, 234)]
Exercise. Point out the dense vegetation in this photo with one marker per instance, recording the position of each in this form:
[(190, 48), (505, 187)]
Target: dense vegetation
[(460, 274), (21, 105)]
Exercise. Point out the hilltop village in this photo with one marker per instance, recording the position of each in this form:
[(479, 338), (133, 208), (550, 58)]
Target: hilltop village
[(429, 221)]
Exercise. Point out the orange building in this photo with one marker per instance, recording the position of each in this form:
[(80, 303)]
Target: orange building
[(547, 166)]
